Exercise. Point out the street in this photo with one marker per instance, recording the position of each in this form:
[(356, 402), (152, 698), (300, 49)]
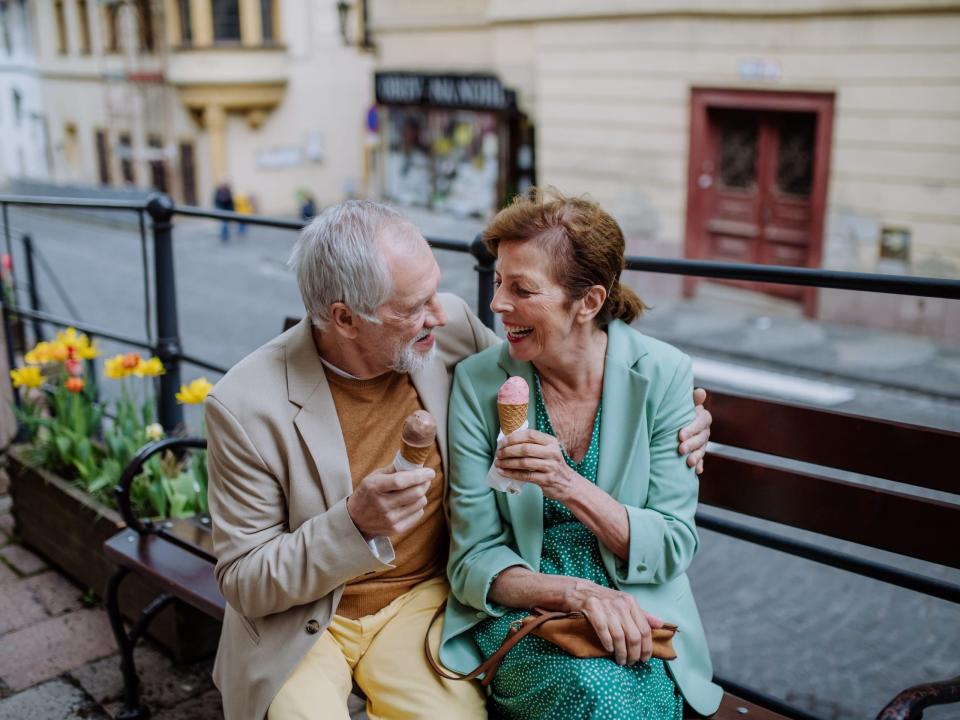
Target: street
[(836, 644)]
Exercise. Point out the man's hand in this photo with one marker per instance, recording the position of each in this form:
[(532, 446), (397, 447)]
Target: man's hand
[(694, 437), (388, 503)]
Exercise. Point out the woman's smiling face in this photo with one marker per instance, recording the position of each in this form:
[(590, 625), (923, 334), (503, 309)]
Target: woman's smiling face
[(534, 308)]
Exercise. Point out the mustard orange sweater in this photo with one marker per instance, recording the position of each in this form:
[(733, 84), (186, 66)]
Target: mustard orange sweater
[(371, 414)]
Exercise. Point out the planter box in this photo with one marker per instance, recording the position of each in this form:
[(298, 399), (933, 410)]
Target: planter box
[(68, 528)]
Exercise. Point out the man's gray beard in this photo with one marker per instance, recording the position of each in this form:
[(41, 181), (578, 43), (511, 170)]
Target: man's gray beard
[(408, 360)]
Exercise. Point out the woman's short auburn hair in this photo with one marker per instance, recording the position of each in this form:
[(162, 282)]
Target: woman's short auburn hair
[(584, 240)]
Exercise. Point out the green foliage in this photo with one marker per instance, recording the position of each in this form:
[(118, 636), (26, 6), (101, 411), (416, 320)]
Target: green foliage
[(62, 438), (70, 436)]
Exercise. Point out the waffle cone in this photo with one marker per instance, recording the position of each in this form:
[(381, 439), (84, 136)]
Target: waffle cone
[(415, 455), (511, 417)]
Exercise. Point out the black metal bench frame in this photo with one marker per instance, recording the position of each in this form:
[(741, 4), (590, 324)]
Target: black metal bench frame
[(163, 553)]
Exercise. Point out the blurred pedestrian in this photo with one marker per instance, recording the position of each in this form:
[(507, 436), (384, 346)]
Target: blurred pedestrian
[(308, 206), (244, 206), (223, 200)]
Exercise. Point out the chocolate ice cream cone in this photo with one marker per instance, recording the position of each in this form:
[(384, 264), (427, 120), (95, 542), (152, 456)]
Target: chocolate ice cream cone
[(413, 454)]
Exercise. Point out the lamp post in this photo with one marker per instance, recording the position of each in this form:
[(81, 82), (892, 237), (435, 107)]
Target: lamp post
[(365, 42)]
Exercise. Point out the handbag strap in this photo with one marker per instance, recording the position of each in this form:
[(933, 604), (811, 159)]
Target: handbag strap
[(492, 663)]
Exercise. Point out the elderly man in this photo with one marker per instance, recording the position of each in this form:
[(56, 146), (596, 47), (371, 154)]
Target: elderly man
[(332, 563)]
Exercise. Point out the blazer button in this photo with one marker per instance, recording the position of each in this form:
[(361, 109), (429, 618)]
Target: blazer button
[(313, 627)]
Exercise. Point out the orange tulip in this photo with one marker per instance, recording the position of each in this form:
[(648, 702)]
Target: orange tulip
[(130, 361), (74, 384)]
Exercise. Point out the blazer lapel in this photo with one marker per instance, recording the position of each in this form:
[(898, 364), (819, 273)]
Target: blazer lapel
[(317, 420), (526, 507), (432, 384), (624, 394)]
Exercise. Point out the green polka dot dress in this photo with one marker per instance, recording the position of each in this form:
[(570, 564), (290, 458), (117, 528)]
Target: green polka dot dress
[(539, 680)]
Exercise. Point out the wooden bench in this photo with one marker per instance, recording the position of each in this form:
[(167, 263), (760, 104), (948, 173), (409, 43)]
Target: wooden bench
[(819, 499), (178, 557)]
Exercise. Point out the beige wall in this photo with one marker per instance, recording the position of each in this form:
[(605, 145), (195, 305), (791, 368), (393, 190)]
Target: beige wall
[(329, 88), (609, 95)]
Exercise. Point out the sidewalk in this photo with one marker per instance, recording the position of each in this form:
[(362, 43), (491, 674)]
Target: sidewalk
[(59, 658)]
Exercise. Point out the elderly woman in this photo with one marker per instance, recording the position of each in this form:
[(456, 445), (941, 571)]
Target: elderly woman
[(604, 523)]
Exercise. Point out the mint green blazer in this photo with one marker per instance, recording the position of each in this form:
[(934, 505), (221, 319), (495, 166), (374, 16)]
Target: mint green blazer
[(647, 398)]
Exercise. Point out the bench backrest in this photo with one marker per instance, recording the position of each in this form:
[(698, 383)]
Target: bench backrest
[(820, 499)]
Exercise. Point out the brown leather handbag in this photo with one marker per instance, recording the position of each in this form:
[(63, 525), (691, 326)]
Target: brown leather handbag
[(570, 631)]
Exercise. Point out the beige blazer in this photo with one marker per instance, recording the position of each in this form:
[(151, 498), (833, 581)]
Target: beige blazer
[(279, 479)]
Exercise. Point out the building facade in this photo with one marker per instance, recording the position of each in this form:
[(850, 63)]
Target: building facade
[(803, 132), (24, 149), (179, 95)]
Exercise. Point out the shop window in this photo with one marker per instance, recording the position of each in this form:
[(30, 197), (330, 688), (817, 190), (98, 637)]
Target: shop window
[(83, 24), (103, 156), (186, 22), (447, 160), (125, 152), (61, 21), (158, 165), (226, 20)]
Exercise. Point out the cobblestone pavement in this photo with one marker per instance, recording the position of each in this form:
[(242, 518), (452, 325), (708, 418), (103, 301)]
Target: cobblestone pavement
[(58, 658)]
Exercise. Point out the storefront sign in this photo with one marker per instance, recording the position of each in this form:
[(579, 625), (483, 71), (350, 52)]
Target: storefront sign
[(473, 92)]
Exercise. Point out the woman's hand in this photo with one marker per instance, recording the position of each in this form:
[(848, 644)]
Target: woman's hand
[(536, 457), (622, 627)]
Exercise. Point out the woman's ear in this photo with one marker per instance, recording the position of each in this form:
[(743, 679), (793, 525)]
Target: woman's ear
[(591, 303)]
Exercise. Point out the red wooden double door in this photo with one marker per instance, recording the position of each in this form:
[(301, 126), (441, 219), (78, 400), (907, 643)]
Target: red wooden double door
[(757, 181)]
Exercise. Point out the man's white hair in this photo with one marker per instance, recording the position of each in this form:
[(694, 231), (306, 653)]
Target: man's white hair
[(336, 259)]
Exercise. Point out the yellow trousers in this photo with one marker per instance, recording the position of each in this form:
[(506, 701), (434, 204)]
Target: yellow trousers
[(384, 654)]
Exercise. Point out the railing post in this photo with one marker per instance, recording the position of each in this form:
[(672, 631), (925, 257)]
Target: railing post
[(169, 413), (484, 268), (32, 291), (8, 339)]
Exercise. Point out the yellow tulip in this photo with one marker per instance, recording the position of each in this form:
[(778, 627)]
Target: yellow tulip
[(149, 368), (41, 354), (114, 368), (30, 377), (76, 345), (194, 393), (154, 431)]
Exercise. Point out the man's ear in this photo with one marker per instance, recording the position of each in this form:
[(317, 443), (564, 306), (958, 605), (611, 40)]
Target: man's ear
[(343, 321), (591, 303)]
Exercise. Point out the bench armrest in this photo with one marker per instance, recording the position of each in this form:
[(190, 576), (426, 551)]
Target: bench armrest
[(122, 490), (911, 703)]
